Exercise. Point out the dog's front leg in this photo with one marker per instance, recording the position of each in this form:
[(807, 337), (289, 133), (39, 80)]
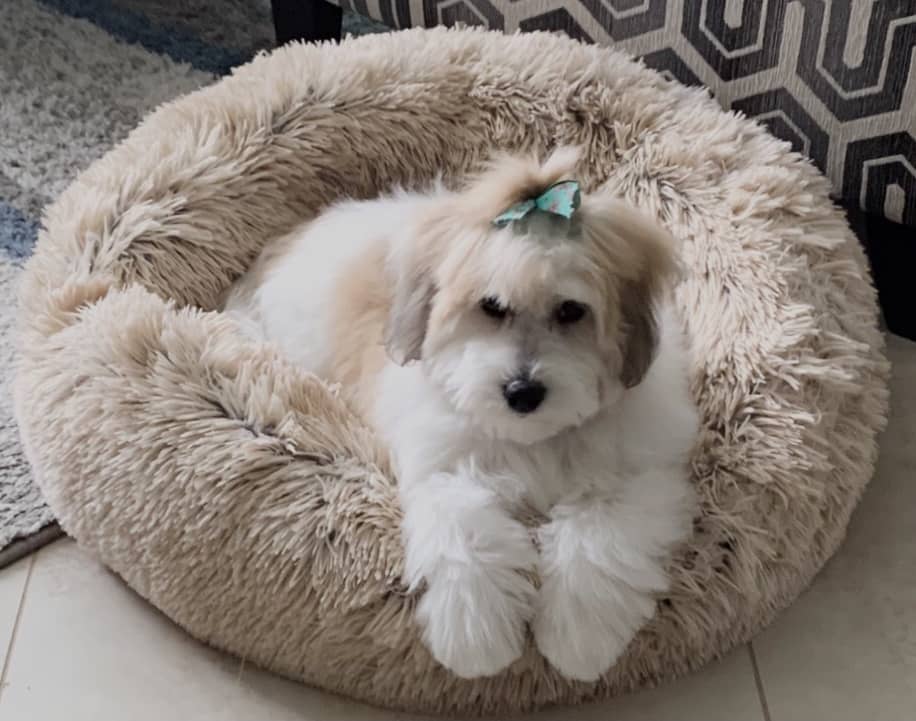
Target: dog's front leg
[(471, 555), (603, 557)]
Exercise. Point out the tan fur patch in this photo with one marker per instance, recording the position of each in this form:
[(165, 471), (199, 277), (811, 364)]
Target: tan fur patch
[(635, 263), (362, 300), (509, 179)]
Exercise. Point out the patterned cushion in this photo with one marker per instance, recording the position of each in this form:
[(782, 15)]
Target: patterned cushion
[(832, 78)]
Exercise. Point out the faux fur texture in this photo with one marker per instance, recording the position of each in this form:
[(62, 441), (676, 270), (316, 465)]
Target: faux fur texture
[(241, 497)]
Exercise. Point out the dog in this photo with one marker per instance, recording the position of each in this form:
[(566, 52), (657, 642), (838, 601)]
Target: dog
[(523, 361)]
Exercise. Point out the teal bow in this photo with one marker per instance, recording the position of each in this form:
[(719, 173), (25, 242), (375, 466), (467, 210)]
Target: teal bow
[(561, 199)]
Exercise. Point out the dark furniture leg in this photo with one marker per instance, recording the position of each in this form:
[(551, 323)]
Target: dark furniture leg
[(891, 250), (308, 20)]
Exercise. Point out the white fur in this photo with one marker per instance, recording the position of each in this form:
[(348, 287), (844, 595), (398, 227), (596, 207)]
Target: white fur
[(612, 479)]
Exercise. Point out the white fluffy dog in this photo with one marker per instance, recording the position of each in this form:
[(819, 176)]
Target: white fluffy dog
[(533, 366)]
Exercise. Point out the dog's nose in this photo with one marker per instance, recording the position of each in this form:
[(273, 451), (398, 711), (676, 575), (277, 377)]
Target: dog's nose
[(523, 395)]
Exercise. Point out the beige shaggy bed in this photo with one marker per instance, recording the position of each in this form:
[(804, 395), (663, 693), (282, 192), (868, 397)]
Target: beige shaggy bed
[(243, 499)]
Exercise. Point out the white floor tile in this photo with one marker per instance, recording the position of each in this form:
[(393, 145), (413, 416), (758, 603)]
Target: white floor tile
[(847, 648), (282, 700), (724, 690), (12, 582), (88, 648)]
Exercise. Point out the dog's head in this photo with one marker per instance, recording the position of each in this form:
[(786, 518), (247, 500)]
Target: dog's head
[(530, 328)]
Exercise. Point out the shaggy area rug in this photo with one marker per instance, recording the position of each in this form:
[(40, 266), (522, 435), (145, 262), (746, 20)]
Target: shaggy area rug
[(75, 77)]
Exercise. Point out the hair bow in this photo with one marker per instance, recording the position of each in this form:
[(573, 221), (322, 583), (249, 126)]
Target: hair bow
[(561, 199)]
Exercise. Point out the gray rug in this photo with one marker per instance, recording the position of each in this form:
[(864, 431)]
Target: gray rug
[(75, 77)]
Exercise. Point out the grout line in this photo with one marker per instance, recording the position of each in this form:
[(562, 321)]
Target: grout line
[(765, 707), (9, 648)]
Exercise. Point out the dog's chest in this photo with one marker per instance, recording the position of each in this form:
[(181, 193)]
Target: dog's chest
[(538, 476)]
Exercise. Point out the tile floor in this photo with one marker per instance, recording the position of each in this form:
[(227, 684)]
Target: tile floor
[(76, 644)]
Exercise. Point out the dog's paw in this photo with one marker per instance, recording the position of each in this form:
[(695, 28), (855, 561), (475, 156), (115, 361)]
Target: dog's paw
[(583, 628), (472, 625)]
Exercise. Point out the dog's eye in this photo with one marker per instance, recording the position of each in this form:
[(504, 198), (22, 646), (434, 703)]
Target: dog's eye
[(493, 308), (569, 312)]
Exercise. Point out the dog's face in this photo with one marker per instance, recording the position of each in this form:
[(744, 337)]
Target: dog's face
[(514, 339), (531, 329)]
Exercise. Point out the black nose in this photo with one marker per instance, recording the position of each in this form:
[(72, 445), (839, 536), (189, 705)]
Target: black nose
[(523, 395)]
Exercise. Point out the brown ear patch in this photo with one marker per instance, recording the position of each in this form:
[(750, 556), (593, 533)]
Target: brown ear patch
[(639, 332), (408, 318), (412, 266), (637, 259)]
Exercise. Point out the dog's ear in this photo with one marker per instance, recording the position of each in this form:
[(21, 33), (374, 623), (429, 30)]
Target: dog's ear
[(638, 256), (655, 270), (410, 265), (412, 262), (408, 316), (638, 332)]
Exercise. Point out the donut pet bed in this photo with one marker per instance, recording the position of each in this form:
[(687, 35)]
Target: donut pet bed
[(244, 499)]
